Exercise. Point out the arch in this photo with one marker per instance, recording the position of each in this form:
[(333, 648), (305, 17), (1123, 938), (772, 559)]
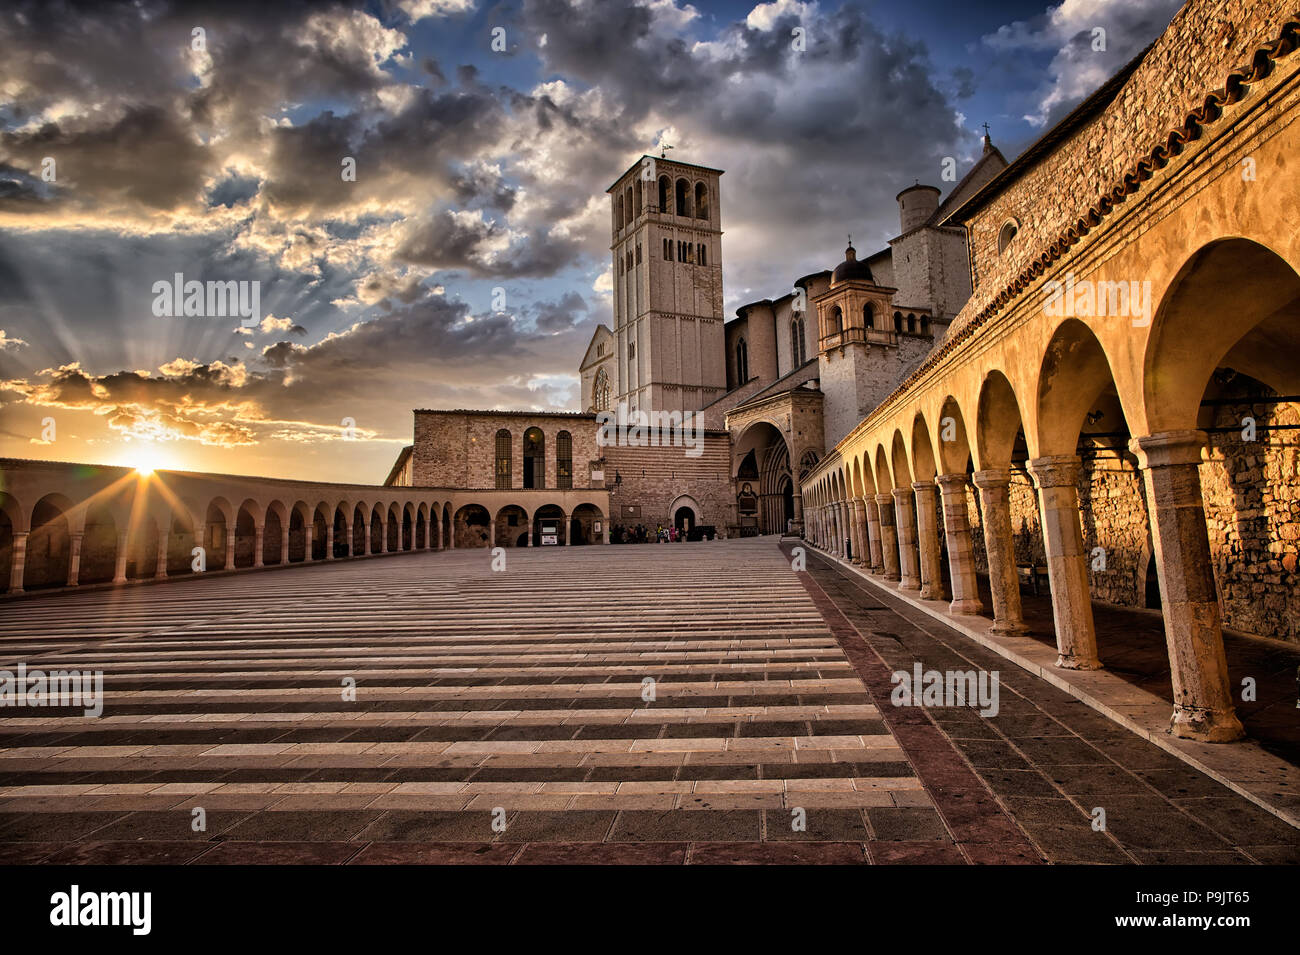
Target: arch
[(1074, 372), (902, 468), (639, 193), (954, 446), (408, 526), (868, 315), (665, 194), (923, 460), (504, 453), (998, 421), (393, 527), (99, 544), (549, 522), (246, 521), (884, 477), (1234, 303), (582, 524), (447, 527), (798, 347), (684, 502), (377, 535), (49, 544), (683, 196), (628, 207), (742, 361), (534, 448), (898, 322), (142, 545), (701, 201), (422, 526), (511, 526), (339, 519), (472, 526), (837, 320)]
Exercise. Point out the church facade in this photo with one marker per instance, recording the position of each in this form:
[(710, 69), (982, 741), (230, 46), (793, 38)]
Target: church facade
[(761, 394)]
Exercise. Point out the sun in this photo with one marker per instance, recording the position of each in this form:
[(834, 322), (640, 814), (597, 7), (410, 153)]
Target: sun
[(144, 456)]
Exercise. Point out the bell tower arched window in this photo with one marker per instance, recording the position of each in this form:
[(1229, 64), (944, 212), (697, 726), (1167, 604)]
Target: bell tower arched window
[(868, 316), (837, 320), (665, 193)]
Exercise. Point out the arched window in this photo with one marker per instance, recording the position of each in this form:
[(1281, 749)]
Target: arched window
[(911, 324), (564, 460), (618, 213), (898, 321), (742, 362), (665, 188), (683, 197), (534, 458), (703, 255), (868, 316), (627, 206), (631, 350), (701, 201), (668, 250), (600, 391), (503, 459), (925, 325), (1006, 234), (640, 191), (837, 320), (798, 347)]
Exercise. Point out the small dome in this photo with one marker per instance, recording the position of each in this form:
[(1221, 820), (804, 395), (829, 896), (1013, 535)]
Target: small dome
[(851, 268)]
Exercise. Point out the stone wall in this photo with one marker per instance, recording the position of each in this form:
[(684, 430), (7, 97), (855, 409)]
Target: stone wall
[(1205, 40), (458, 448), (654, 478)]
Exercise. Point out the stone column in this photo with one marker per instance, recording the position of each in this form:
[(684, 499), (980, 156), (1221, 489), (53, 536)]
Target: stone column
[(863, 555), (492, 534), (160, 564), (841, 530), (19, 562), (888, 535), (905, 523), (309, 537), (999, 546), (259, 539), (567, 524), (1067, 564), (927, 539), (873, 534), (74, 559), (284, 543), (428, 533), (329, 541), (961, 552), (1203, 706), (437, 541), (119, 567), (230, 547), (797, 528)]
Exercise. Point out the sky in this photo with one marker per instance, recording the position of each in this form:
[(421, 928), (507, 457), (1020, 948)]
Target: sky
[(415, 189)]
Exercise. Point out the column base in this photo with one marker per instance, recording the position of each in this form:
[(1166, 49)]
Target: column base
[(930, 592), (1206, 726), (966, 607), (909, 583), (1073, 662), (1009, 629)]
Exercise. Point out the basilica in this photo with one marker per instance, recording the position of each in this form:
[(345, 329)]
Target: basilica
[(765, 392)]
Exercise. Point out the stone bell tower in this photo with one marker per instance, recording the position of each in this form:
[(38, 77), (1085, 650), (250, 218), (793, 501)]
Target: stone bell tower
[(666, 240), (857, 357)]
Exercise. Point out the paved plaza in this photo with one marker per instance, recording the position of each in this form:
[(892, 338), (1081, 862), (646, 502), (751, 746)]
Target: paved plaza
[(696, 703)]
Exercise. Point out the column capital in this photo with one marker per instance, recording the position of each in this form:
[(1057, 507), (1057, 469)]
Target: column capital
[(901, 493), (884, 497), (992, 478), (950, 482), (1169, 448), (1056, 470), (923, 487)]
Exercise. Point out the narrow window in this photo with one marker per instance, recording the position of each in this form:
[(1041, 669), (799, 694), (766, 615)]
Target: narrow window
[(503, 459), (564, 460), (683, 197), (664, 190), (534, 458)]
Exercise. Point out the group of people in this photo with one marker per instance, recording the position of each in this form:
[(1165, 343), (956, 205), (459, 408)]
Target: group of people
[(643, 535)]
